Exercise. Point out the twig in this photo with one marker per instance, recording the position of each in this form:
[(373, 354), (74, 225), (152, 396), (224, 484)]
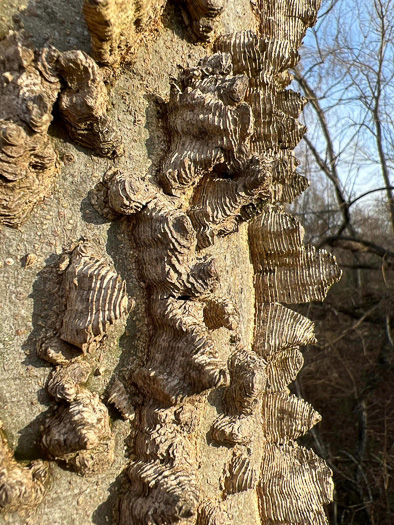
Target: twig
[(353, 327)]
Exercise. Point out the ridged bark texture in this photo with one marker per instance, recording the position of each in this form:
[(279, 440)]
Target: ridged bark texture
[(116, 26), (92, 298), (21, 488), (30, 84)]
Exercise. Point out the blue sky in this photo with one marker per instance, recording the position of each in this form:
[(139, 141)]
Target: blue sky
[(340, 61)]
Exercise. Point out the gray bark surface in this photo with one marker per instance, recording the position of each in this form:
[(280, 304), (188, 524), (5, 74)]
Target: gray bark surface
[(65, 217)]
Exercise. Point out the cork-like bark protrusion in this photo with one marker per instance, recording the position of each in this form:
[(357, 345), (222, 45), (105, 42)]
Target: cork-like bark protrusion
[(220, 312), (183, 360), (232, 430), (265, 61), (21, 487), (240, 426), (248, 380), (294, 484), (254, 55), (209, 123), (116, 26), (55, 351), (163, 484), (95, 299), (295, 498), (80, 435), (92, 299), (28, 163), (278, 328), (242, 473), (288, 183), (218, 205), (83, 104), (158, 493), (283, 368), (30, 84), (279, 19), (30, 160), (202, 15), (127, 195), (286, 270), (167, 241), (242, 399), (121, 193), (210, 126), (64, 382), (276, 247), (286, 418)]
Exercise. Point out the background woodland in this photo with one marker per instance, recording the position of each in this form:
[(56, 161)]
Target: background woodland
[(346, 73)]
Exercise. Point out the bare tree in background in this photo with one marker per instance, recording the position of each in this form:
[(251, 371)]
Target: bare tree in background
[(348, 77)]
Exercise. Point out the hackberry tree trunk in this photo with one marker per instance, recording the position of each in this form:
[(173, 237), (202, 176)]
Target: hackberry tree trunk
[(177, 228)]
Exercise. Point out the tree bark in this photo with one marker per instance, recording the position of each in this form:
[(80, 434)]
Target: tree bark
[(204, 429)]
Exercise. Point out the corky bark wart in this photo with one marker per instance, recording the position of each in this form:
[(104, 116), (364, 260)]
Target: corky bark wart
[(28, 162), (116, 26), (92, 298), (30, 84), (21, 487)]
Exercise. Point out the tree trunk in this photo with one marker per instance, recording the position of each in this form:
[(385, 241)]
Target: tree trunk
[(175, 228)]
